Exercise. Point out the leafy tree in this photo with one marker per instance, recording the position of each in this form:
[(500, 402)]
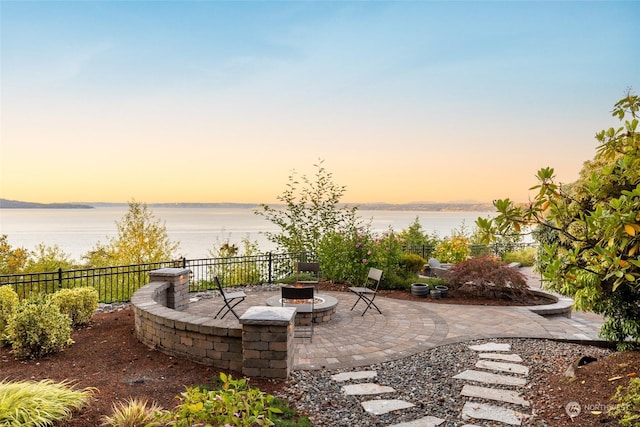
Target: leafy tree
[(312, 209), (141, 239), (48, 258), (12, 260), (593, 253)]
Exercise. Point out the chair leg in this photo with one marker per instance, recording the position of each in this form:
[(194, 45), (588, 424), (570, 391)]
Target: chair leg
[(370, 303)]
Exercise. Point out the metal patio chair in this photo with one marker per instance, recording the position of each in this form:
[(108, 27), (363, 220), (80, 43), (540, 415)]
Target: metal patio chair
[(231, 299), (303, 299), (368, 292), (313, 268)]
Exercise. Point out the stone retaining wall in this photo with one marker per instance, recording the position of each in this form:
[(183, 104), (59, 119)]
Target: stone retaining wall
[(260, 346)]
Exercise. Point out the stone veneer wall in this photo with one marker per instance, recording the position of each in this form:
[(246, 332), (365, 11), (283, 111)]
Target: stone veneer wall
[(262, 345)]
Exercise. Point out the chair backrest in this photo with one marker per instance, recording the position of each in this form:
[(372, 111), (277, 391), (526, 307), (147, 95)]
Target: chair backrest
[(219, 286), (297, 292), (374, 277), (309, 267)]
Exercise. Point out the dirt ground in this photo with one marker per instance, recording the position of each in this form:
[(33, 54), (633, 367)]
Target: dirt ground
[(106, 355)]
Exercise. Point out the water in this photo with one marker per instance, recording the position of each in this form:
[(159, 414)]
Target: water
[(198, 230)]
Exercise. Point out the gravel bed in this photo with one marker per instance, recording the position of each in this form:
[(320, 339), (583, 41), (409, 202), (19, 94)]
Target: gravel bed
[(426, 380)]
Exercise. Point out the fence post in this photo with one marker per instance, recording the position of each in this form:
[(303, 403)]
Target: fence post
[(59, 277), (270, 265)]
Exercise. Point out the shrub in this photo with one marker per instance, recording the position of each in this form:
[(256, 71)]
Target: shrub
[(627, 410), (452, 250), (38, 328), (412, 263), (235, 404), (134, 413), (8, 304), (78, 303), (29, 403), (526, 257), (487, 277)]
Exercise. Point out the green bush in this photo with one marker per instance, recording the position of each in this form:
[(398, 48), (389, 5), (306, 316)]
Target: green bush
[(38, 328), (77, 303), (235, 404), (487, 277), (412, 263), (452, 250), (8, 304), (526, 257), (627, 409), (36, 404)]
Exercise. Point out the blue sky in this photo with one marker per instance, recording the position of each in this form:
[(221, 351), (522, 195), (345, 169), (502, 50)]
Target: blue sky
[(202, 101)]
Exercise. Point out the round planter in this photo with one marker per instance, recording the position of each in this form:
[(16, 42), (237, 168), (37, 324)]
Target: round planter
[(435, 294), (444, 291), (420, 290)]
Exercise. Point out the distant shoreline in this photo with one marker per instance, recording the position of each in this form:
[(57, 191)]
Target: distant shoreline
[(425, 206)]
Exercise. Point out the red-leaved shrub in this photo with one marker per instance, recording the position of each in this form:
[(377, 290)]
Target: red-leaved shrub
[(487, 277)]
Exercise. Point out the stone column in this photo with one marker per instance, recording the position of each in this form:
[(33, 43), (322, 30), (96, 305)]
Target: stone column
[(267, 341), (178, 292)]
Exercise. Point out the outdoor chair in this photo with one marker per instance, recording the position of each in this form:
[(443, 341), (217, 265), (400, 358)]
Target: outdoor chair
[(313, 268), (436, 269), (303, 299), (368, 292), (231, 299)]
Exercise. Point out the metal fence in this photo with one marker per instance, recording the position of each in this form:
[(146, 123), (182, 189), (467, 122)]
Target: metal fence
[(426, 251), (118, 283)]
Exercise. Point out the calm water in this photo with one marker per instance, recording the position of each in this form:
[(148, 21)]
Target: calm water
[(197, 230)]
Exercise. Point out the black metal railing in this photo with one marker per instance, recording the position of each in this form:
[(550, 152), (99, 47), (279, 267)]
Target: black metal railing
[(426, 251), (118, 283)]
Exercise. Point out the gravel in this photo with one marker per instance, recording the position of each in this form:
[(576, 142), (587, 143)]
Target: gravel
[(426, 380)]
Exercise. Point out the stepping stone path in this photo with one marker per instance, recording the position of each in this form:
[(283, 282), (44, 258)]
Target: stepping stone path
[(496, 366)]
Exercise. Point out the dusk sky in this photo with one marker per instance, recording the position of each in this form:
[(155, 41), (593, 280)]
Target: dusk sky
[(212, 101)]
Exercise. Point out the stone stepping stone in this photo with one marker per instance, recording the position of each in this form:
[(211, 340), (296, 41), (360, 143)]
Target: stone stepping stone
[(380, 407), (483, 411), (357, 375), (491, 346), (502, 366), (490, 378), (508, 396), (422, 422), (366, 389), (500, 356)]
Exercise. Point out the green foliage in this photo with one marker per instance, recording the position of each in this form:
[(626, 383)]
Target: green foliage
[(236, 404), (48, 258), (526, 257), (346, 255), (8, 304), (486, 277), (12, 260), (452, 250), (627, 409), (412, 263), (39, 404), (77, 303), (312, 210), (591, 228), (38, 328), (388, 254), (414, 235), (141, 239), (137, 413)]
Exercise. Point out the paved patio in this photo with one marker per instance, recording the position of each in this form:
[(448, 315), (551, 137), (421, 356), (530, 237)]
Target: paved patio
[(406, 327)]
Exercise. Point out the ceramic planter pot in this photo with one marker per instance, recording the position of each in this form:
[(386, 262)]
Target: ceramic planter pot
[(444, 291), (420, 290)]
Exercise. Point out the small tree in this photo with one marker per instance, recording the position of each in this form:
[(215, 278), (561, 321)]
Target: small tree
[(48, 258), (141, 239), (593, 250), (312, 209), (12, 260)]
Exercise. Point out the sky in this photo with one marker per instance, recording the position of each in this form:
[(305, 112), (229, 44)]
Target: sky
[(215, 101)]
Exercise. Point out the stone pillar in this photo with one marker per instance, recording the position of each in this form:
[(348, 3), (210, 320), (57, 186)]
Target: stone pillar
[(267, 341), (178, 292)]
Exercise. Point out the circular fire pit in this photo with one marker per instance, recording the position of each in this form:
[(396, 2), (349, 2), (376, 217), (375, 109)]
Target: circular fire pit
[(324, 308)]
